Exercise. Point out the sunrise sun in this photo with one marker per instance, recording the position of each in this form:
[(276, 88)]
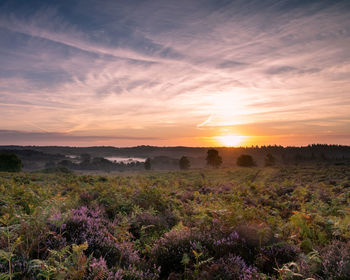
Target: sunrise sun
[(230, 140)]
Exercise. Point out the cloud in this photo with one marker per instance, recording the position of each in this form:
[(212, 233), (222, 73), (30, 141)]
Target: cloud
[(207, 121), (230, 64), (114, 65), (8, 136)]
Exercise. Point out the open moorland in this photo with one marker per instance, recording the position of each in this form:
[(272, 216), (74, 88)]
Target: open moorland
[(235, 223)]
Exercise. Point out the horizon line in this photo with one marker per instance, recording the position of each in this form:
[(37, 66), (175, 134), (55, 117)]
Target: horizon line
[(196, 147)]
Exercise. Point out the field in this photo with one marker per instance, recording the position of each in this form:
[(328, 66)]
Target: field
[(237, 223)]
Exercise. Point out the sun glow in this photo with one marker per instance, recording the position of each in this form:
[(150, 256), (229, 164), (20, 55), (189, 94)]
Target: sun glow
[(230, 140)]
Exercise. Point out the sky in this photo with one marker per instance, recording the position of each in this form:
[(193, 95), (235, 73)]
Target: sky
[(171, 73)]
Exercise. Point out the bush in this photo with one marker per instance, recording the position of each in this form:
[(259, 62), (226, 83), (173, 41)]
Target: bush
[(150, 197), (146, 223), (98, 270), (213, 158), (148, 165), (336, 261), (10, 163), (229, 267), (89, 225), (270, 160), (170, 249), (134, 273), (184, 163), (277, 254), (245, 161)]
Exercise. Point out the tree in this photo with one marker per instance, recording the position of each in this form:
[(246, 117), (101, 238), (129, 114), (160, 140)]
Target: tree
[(184, 163), (270, 160), (245, 161), (10, 163), (148, 164), (213, 158)]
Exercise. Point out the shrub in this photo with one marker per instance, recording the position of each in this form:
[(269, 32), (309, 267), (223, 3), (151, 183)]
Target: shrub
[(134, 273), (269, 160), (86, 198), (150, 197), (277, 254), (229, 267), (256, 234), (20, 265), (309, 232), (147, 222), (170, 249), (89, 225), (10, 163), (148, 165), (98, 270), (69, 262), (114, 203), (213, 158), (245, 161), (184, 163), (227, 243), (336, 261)]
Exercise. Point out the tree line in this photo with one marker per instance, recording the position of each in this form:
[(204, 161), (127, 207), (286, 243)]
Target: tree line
[(214, 160), (14, 158)]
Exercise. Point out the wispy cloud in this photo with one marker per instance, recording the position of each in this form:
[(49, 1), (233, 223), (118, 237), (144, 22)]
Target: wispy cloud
[(165, 65), (37, 138)]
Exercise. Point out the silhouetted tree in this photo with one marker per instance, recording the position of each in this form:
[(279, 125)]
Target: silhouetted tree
[(148, 164), (10, 163), (270, 160), (213, 158), (184, 163), (245, 160)]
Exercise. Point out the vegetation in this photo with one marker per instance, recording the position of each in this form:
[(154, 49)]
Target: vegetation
[(213, 158), (184, 163), (148, 165), (245, 161), (235, 223), (10, 163), (270, 160), (91, 159)]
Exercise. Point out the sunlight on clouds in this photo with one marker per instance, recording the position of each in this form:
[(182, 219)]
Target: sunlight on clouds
[(231, 107), (196, 78), (231, 140), (228, 107)]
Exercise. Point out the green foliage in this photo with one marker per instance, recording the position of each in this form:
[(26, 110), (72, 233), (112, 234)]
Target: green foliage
[(278, 223), (12, 242), (10, 163), (69, 262)]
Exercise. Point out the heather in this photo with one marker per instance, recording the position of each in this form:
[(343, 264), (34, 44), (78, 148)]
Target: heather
[(234, 223)]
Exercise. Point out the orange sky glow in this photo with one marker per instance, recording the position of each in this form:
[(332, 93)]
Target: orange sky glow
[(195, 73)]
